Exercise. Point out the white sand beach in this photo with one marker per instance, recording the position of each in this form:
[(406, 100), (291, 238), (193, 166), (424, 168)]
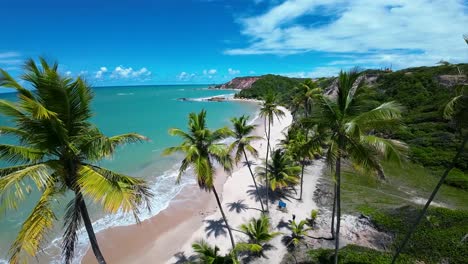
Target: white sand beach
[(193, 215)]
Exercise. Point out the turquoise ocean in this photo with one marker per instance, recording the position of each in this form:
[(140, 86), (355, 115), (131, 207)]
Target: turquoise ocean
[(148, 110)]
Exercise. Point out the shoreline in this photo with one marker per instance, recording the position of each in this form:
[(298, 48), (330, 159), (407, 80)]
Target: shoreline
[(183, 215)]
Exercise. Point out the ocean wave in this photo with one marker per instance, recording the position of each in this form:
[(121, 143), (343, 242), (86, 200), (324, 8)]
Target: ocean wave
[(202, 99), (121, 94), (165, 190)]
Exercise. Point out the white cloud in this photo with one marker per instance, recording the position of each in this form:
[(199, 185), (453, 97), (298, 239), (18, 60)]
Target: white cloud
[(233, 72), (210, 72), (185, 76), (68, 73), (10, 58), (317, 72), (101, 72), (417, 32), (82, 73), (251, 72), (126, 73)]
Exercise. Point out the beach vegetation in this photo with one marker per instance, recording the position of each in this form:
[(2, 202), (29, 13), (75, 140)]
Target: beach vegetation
[(259, 233), (269, 110), (208, 254), (281, 171), (242, 145), (57, 152), (353, 128), (202, 147)]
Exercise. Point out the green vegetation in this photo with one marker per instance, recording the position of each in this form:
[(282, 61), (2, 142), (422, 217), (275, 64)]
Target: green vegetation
[(281, 170), (207, 254), (201, 146), (352, 254), (259, 233), (241, 145), (268, 111), (280, 85), (57, 153)]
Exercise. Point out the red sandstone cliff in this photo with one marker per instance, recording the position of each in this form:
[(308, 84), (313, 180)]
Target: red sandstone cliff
[(238, 83)]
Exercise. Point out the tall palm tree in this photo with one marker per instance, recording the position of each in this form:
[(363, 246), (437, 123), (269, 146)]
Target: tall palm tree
[(57, 150), (353, 133), (269, 110), (258, 231), (242, 145), (201, 147), (305, 95), (210, 255), (457, 111), (281, 171), (301, 148)]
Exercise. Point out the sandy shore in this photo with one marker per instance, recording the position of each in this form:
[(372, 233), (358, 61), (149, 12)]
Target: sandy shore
[(193, 215)]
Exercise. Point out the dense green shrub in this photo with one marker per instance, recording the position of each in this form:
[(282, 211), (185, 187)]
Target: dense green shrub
[(352, 254), (282, 86), (457, 178), (438, 237)]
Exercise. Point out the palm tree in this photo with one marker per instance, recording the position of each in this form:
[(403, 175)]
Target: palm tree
[(57, 151), (269, 110), (258, 231), (201, 148), (242, 145), (301, 148), (281, 171), (353, 133), (457, 111), (305, 95), (209, 255)]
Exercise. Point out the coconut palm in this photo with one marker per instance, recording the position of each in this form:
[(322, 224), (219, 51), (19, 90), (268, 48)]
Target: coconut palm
[(57, 151), (242, 145), (258, 231), (353, 133), (210, 255), (298, 234), (301, 148), (201, 147), (457, 111), (303, 100), (269, 110), (281, 171)]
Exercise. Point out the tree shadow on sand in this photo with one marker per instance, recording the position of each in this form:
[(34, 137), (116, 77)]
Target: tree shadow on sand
[(240, 207), (181, 258), (273, 196), (252, 257), (215, 227)]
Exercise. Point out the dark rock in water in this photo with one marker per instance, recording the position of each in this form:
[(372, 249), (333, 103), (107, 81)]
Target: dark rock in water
[(216, 99), (183, 99)]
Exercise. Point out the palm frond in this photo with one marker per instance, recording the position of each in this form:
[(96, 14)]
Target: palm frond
[(32, 233), (15, 154), (72, 225), (14, 187)]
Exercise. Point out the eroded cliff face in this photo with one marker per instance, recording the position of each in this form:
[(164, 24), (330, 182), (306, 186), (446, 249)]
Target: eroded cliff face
[(238, 83)]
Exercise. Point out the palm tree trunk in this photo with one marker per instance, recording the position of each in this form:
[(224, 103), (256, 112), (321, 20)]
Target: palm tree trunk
[(255, 182), (91, 234), (302, 177), (267, 180), (426, 206), (224, 217), (338, 199), (333, 212)]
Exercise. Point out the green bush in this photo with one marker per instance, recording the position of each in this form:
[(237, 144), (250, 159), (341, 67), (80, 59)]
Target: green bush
[(438, 237), (352, 254), (457, 178)]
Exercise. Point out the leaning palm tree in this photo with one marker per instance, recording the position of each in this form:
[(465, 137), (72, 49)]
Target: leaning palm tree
[(210, 255), (269, 110), (242, 145), (354, 133), (457, 111), (201, 147), (258, 231), (281, 171), (58, 148)]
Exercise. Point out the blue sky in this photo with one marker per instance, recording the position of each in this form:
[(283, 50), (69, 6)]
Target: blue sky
[(209, 41)]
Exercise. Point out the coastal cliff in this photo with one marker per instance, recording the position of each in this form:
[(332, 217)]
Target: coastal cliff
[(238, 83)]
